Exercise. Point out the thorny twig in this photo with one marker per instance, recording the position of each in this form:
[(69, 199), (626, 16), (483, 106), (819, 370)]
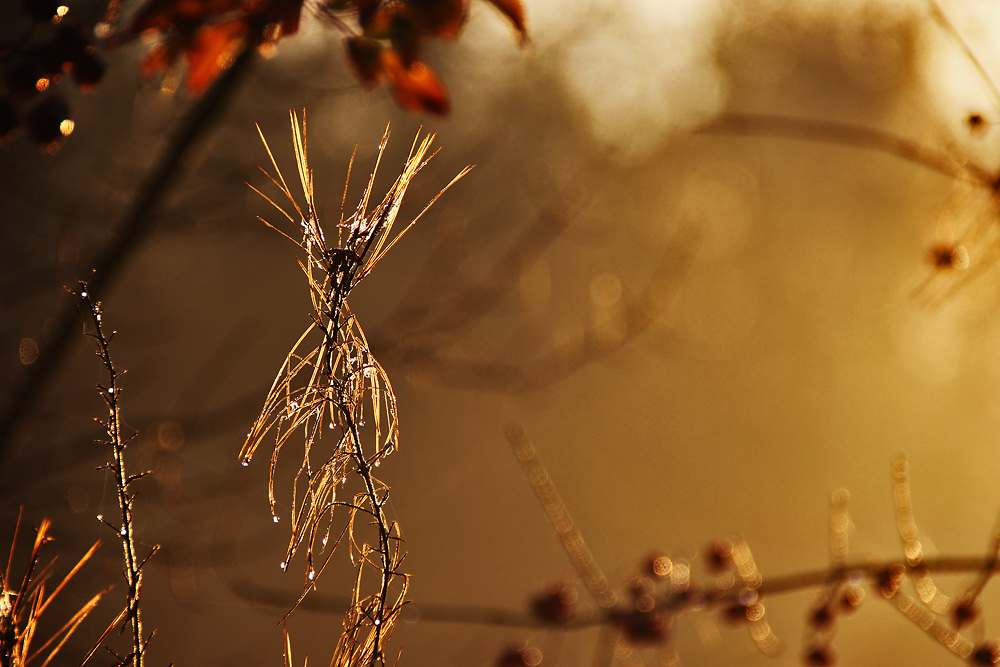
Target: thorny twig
[(111, 393)]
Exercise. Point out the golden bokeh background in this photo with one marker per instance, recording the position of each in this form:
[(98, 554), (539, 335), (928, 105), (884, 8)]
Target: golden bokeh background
[(705, 334)]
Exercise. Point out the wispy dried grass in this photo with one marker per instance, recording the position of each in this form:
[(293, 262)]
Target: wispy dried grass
[(331, 384), (22, 604)]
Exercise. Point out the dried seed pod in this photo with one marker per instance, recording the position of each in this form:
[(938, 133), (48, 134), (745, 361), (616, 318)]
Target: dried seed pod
[(985, 654), (519, 656), (9, 119), (822, 617), (22, 77), (646, 629), (88, 70), (719, 555), (557, 605), (890, 580), (48, 122), (819, 656), (851, 599), (965, 610), (40, 10)]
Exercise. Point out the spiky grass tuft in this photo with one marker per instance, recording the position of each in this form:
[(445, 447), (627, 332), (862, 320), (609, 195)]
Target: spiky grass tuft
[(331, 384)]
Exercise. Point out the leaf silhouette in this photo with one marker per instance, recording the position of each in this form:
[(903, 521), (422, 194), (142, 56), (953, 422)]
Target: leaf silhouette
[(363, 52), (441, 18), (417, 87), (384, 47), (514, 12), (211, 51)]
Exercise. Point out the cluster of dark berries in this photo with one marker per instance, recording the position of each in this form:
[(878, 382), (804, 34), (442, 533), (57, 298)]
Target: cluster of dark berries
[(50, 46)]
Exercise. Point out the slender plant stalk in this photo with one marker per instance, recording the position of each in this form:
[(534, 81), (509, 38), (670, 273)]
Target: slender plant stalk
[(338, 388), (111, 393)]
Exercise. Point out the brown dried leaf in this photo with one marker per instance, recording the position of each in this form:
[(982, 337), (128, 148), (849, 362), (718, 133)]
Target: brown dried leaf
[(441, 18), (514, 12), (212, 51), (160, 57), (417, 87), (363, 53), (163, 15), (286, 13)]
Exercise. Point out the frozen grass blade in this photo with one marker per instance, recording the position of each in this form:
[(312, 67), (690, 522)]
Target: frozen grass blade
[(330, 384), (21, 608)]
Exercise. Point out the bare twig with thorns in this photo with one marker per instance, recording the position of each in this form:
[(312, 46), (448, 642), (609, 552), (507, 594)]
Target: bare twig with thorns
[(111, 393), (338, 386)]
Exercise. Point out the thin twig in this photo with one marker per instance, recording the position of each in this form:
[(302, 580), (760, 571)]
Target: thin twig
[(111, 393)]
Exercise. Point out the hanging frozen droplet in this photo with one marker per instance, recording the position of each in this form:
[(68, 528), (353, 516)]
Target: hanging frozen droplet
[(277, 519), (312, 575), (83, 295), (283, 565), (377, 622), (123, 532), (245, 462)]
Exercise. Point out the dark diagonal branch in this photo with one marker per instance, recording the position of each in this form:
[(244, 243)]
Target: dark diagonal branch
[(132, 231)]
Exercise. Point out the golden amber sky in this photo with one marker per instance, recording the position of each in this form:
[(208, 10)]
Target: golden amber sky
[(704, 334)]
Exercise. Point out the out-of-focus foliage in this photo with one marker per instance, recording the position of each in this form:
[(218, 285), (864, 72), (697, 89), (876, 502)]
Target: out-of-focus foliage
[(384, 38)]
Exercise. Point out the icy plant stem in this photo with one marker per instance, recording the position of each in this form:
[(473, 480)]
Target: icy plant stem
[(365, 470), (110, 394)]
